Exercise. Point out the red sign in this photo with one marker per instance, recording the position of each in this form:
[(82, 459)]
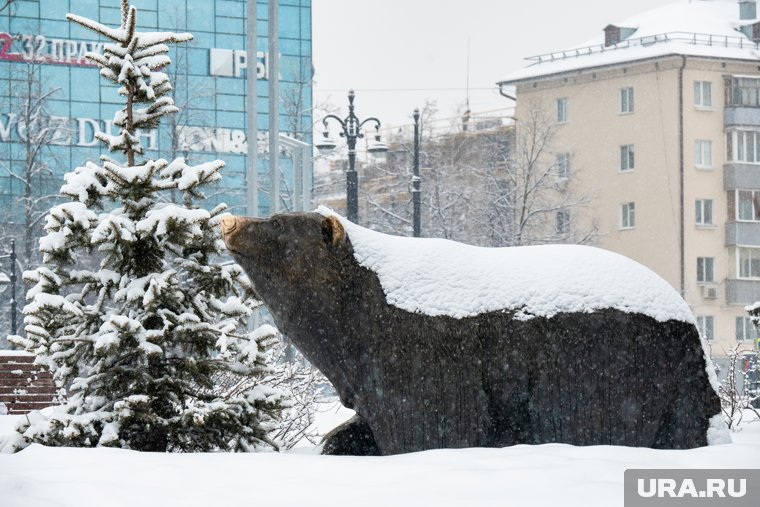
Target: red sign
[(40, 49)]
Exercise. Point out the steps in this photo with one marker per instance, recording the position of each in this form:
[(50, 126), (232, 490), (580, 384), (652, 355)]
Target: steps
[(25, 386)]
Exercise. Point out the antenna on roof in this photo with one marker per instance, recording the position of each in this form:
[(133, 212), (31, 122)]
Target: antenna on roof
[(466, 115)]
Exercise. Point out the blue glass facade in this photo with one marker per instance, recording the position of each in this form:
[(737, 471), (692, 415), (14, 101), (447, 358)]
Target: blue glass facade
[(208, 74)]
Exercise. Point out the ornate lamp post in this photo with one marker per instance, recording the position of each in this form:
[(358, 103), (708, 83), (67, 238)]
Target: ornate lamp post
[(416, 177), (12, 281), (351, 129)]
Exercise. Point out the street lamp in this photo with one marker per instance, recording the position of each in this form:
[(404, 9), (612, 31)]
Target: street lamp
[(416, 176), (351, 129), (12, 281)]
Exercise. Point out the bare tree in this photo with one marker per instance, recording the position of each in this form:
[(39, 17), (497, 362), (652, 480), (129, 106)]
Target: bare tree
[(386, 188), (186, 94), (38, 131), (738, 390), (499, 186), (530, 194), (450, 188), (293, 98), (305, 386)]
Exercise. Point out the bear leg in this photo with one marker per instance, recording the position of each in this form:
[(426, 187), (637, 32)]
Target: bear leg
[(352, 438)]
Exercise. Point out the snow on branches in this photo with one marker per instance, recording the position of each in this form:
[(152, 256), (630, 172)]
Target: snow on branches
[(133, 308), (133, 61)]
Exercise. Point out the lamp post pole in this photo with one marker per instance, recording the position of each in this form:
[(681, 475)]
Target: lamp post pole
[(352, 178), (13, 280), (416, 177), (351, 128)]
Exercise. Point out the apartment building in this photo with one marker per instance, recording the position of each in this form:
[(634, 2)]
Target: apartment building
[(661, 117)]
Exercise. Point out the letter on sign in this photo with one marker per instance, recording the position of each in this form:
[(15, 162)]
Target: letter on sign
[(221, 62)]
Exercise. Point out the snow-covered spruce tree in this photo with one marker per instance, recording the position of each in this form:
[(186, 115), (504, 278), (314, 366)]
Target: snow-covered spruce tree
[(139, 340)]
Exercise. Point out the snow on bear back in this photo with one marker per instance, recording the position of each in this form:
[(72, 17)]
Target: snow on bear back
[(441, 277)]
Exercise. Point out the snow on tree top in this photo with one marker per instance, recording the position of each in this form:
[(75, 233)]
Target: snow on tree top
[(442, 277), (122, 34), (707, 28)]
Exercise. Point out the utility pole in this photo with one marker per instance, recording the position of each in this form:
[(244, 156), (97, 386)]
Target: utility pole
[(274, 109), (252, 188), (416, 177)]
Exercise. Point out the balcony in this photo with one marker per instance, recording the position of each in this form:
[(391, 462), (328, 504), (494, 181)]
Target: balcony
[(737, 116), (742, 101), (742, 292), (743, 233), (738, 176)]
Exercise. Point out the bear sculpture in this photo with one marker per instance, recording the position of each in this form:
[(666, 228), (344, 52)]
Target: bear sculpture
[(436, 344)]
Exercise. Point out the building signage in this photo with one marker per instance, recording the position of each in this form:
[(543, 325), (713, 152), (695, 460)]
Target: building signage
[(40, 49), (81, 132), (218, 140), (67, 131), (231, 62)]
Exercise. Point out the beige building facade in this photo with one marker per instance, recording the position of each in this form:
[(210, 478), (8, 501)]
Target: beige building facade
[(664, 132)]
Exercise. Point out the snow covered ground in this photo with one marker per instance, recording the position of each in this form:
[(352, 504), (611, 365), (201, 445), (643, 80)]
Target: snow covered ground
[(552, 474), (8, 423)]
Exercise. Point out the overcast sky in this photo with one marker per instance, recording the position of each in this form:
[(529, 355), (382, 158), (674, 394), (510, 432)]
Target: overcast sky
[(385, 49)]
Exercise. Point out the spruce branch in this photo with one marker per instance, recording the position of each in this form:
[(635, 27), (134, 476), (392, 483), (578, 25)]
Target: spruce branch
[(124, 11), (129, 24), (115, 34)]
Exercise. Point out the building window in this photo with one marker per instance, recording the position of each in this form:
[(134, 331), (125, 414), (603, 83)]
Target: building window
[(627, 160), (562, 110), (749, 262), (563, 222), (563, 166), (743, 146), (706, 326), (703, 153), (746, 210), (743, 92), (626, 100), (703, 93), (703, 211), (745, 330), (705, 269), (628, 215)]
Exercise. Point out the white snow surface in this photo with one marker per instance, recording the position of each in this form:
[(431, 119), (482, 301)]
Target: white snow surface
[(7, 352), (714, 21), (440, 277), (523, 475)]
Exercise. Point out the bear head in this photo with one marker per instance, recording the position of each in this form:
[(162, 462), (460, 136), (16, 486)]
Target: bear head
[(290, 257)]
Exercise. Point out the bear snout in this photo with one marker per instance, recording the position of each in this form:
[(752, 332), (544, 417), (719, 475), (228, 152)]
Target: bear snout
[(228, 224), (237, 234)]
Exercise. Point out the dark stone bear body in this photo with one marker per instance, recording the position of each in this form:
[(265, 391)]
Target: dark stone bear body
[(420, 382)]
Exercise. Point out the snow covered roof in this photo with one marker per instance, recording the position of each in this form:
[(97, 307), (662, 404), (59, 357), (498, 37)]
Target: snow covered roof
[(708, 28), (441, 277)]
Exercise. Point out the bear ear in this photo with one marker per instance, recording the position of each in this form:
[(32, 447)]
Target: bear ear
[(333, 231)]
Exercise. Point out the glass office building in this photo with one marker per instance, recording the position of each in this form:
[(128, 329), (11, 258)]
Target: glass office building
[(41, 53)]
